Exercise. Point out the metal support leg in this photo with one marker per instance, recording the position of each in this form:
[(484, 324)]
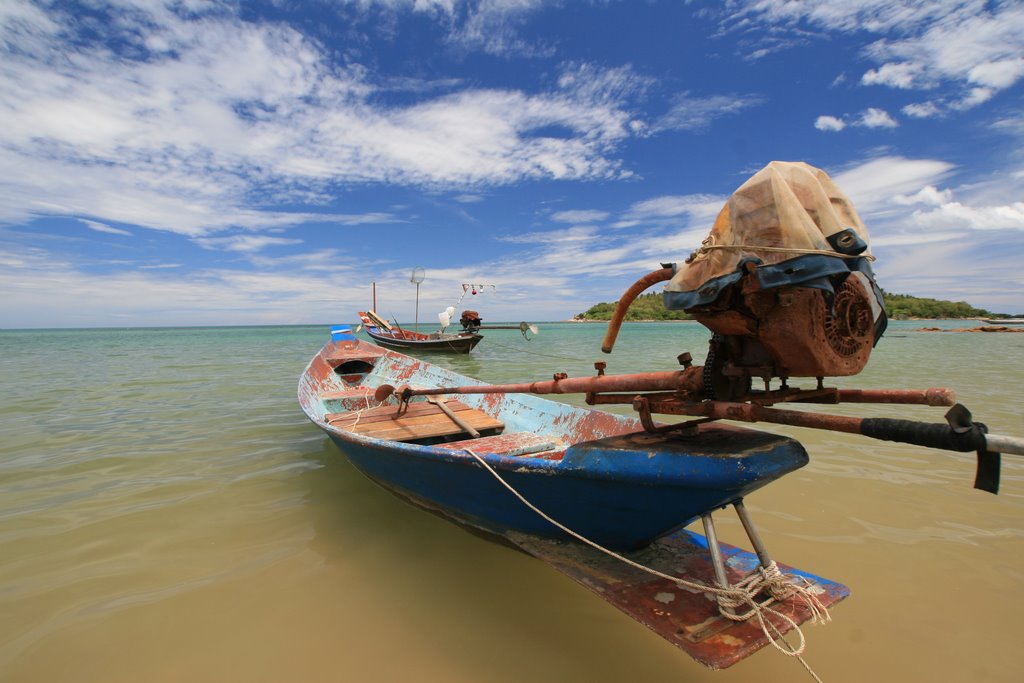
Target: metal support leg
[(755, 538), (716, 553)]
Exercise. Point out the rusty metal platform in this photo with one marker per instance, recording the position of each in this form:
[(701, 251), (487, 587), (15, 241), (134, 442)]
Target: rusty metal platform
[(689, 620)]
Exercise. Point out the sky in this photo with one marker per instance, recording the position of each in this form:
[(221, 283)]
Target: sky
[(196, 162)]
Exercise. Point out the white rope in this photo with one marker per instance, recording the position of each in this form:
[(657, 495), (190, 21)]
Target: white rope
[(359, 413), (781, 250), (769, 579)]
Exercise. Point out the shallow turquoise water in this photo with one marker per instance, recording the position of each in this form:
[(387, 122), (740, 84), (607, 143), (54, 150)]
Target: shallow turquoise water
[(168, 514)]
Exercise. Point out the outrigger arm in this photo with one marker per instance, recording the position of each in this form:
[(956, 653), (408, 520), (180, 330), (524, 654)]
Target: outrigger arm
[(681, 392)]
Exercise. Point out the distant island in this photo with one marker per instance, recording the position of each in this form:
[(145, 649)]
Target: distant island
[(897, 306)]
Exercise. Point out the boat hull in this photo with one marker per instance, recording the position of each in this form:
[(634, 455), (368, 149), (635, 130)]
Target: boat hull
[(597, 489), (462, 343), (596, 473), (603, 477)]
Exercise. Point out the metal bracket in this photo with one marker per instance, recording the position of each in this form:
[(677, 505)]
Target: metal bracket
[(642, 405), (718, 562)]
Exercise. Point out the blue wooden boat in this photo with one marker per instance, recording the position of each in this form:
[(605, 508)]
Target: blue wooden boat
[(605, 498), (598, 473), (580, 470)]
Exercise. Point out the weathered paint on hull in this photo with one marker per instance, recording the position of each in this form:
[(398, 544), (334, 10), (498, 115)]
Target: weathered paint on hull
[(604, 477), (621, 492), (609, 480)]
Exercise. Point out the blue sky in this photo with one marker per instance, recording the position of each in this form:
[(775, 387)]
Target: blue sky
[(187, 162)]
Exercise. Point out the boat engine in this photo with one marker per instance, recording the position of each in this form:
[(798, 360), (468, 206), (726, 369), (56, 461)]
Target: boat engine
[(470, 321), (783, 281)]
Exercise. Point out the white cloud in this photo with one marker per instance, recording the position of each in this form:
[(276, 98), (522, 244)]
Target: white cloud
[(928, 195), (697, 113), (961, 44), (103, 227), (561, 237), (973, 97), (672, 206), (998, 74), (876, 118), (1012, 124), (829, 123), (289, 288), (875, 16), (912, 238), (491, 26), (873, 185), (160, 266), (44, 287), (926, 243), (956, 215), (903, 75), (869, 118), (921, 110), (221, 110), (974, 267), (246, 244), (579, 216)]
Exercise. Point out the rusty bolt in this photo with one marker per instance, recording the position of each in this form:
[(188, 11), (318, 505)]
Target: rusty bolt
[(560, 375), (685, 359), (600, 366)]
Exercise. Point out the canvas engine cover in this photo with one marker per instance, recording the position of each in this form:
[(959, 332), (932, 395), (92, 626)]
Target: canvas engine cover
[(783, 280)]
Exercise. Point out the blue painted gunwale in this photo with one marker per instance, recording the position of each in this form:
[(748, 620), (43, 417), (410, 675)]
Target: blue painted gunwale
[(607, 479)]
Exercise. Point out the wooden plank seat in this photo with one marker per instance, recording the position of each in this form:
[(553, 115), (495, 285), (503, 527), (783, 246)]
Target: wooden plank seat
[(419, 421), (509, 443)]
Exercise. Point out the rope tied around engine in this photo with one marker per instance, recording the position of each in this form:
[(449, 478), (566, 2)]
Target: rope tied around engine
[(768, 580), (705, 248)]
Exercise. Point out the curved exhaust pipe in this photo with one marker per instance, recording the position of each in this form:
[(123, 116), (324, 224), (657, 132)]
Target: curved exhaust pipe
[(627, 299)]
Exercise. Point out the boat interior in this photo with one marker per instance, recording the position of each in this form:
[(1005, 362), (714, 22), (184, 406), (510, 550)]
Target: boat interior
[(440, 421)]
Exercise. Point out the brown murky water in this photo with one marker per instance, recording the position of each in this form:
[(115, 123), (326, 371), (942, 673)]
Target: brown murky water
[(167, 514)]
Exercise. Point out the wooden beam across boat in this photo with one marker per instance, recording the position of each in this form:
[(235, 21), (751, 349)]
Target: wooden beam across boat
[(417, 421)]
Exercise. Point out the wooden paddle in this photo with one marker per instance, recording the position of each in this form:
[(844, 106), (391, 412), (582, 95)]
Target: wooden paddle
[(440, 403)]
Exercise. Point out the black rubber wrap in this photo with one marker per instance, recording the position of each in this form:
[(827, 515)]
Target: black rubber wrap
[(944, 437)]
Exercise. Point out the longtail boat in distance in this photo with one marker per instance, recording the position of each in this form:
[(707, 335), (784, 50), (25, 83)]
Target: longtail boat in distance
[(394, 337)]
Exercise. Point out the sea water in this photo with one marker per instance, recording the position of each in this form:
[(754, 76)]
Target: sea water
[(167, 513)]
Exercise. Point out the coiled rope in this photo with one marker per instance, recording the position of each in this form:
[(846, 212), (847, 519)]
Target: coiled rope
[(766, 579)]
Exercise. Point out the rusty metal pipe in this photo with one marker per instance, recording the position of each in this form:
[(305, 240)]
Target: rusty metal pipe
[(935, 396), (903, 431), (749, 412), (689, 380), (628, 298)]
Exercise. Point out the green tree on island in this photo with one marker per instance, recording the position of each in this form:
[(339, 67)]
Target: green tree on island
[(897, 306)]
